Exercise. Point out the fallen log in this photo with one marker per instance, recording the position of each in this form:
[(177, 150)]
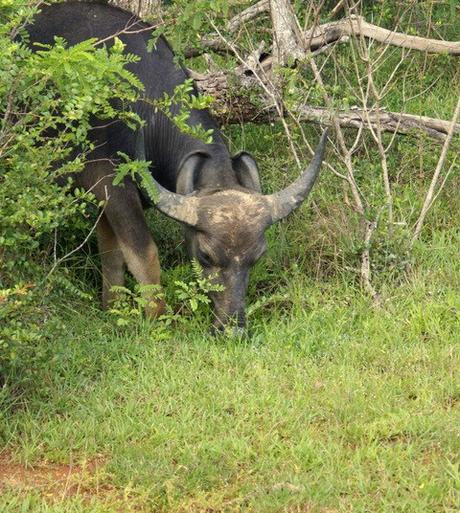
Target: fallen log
[(234, 104)]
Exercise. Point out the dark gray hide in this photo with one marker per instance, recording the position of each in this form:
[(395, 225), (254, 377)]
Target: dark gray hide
[(215, 196)]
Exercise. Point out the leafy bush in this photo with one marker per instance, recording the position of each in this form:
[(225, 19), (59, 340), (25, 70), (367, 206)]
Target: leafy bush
[(47, 99)]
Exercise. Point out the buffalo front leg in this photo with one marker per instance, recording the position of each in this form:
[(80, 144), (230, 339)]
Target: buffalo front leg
[(113, 272), (138, 248), (144, 265)]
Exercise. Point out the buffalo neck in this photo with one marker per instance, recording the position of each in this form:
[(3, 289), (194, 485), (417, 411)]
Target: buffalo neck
[(167, 146)]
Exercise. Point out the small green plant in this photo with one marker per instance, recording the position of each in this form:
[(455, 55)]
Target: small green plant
[(129, 306), (195, 292), (18, 313), (189, 297)]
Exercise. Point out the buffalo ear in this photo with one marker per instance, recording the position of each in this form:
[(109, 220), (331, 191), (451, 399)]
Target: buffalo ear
[(189, 170), (247, 172)]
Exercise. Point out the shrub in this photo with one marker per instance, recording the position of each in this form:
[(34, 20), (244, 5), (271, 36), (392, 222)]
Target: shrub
[(47, 99)]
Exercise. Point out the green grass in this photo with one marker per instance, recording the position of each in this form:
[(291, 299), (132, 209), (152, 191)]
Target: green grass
[(329, 405)]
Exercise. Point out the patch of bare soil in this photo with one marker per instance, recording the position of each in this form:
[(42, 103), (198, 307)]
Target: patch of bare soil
[(53, 479)]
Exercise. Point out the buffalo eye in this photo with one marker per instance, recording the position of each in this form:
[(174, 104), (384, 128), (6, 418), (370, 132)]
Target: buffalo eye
[(204, 258)]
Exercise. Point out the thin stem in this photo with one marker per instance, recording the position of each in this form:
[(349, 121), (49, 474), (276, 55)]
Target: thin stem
[(427, 204)]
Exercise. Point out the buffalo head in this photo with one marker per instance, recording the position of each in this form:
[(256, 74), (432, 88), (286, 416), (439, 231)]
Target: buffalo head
[(225, 226)]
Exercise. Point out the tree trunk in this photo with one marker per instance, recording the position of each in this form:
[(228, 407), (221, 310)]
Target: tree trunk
[(142, 8), (287, 35)]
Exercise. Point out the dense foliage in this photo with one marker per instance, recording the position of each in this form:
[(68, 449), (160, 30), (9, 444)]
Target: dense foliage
[(47, 99)]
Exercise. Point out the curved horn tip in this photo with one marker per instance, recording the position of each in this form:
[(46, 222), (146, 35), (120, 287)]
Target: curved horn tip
[(323, 140), (285, 201), (182, 208)]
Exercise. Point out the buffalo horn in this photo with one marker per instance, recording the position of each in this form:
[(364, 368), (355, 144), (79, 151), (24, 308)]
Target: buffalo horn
[(177, 206), (282, 203)]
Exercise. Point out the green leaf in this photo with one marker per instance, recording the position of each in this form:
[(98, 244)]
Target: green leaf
[(197, 21)]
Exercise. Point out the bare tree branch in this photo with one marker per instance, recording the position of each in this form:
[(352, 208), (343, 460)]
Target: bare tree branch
[(365, 271), (216, 44), (85, 240), (339, 32), (389, 121), (248, 14), (357, 25), (442, 158), (340, 5)]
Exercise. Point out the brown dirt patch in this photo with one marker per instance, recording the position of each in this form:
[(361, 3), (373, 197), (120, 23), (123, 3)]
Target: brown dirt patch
[(53, 479)]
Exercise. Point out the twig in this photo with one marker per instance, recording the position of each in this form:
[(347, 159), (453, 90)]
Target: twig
[(359, 201), (267, 86), (377, 133), (215, 44), (442, 158), (345, 151), (338, 7), (127, 31), (85, 240), (365, 262)]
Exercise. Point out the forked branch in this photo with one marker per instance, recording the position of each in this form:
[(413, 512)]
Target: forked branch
[(358, 26), (339, 32)]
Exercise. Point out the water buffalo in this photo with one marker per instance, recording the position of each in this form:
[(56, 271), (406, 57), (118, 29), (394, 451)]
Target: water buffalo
[(215, 196)]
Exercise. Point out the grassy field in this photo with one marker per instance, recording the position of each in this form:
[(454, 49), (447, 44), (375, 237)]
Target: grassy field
[(329, 405)]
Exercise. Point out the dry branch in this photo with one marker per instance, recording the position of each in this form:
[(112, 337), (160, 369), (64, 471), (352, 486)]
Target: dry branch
[(357, 25), (399, 122), (442, 158), (216, 44), (339, 32), (235, 105), (248, 14)]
